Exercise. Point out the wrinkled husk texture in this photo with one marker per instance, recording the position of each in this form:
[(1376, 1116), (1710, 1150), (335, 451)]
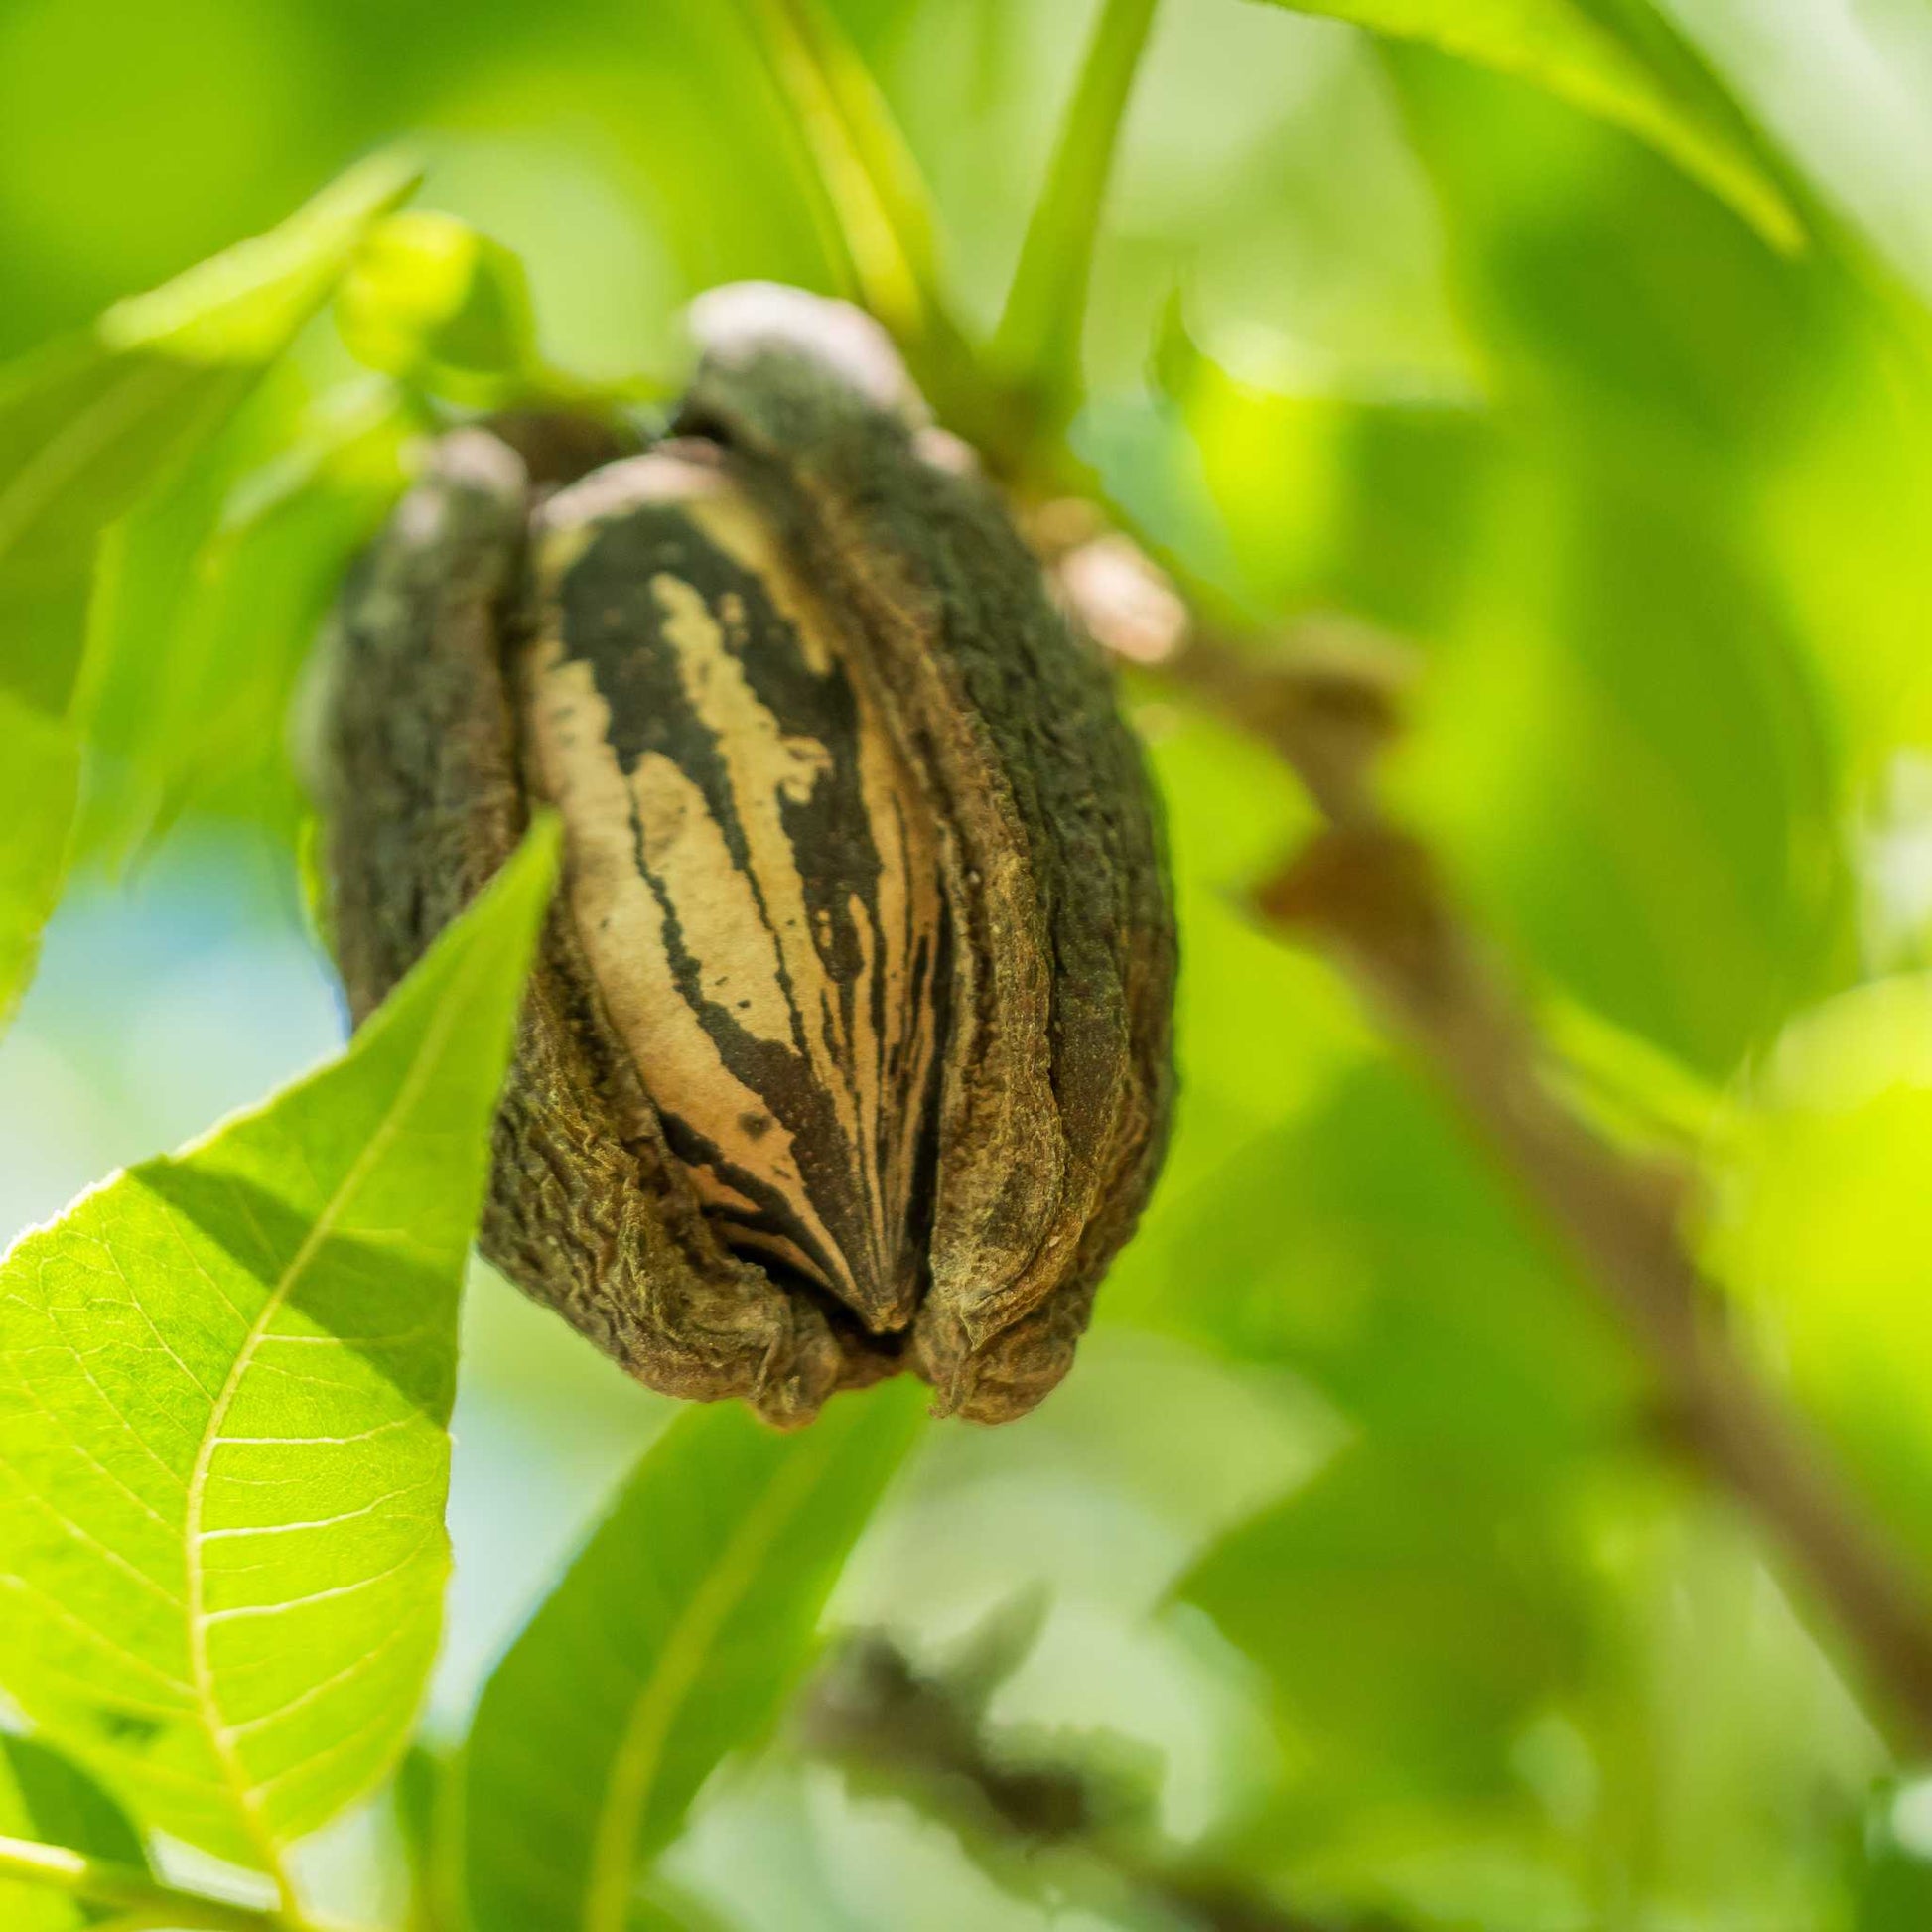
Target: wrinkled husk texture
[(1055, 1086)]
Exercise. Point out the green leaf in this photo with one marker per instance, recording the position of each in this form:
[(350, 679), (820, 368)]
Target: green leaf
[(1038, 341), (40, 784), (1650, 328), (1607, 67), (45, 1798), (1516, 1709), (872, 199), (1894, 1875), (1622, 742), (426, 1794), (864, 169), (224, 1384), (668, 1644), (1823, 1231), (1400, 1275), (88, 426), (244, 305), (1626, 755), (206, 602), (430, 299), (1410, 1613)]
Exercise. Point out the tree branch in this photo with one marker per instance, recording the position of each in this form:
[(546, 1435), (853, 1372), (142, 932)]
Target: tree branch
[(1327, 698), (1049, 1824), (1368, 893)]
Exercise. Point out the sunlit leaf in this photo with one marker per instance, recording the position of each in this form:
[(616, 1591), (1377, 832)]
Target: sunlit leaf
[(1583, 56), (668, 1644), (224, 1382), (862, 167), (48, 1800), (1825, 1229), (243, 306), (1331, 502), (428, 299), (40, 778), (426, 1794)]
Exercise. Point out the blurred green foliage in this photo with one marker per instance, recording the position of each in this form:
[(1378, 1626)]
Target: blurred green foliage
[(1577, 343), (42, 1796)]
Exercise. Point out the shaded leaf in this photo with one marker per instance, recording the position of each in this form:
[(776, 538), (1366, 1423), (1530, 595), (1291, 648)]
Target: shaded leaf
[(1649, 1731), (665, 1907), (224, 1382), (1399, 1274), (425, 1797), (1892, 1872), (1681, 683), (1824, 1229), (1410, 1615), (1628, 761), (1622, 740), (1648, 326), (669, 1644), (40, 785), (1608, 66), (45, 1798)]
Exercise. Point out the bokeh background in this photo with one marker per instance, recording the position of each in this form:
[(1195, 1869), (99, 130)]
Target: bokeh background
[(1358, 1532)]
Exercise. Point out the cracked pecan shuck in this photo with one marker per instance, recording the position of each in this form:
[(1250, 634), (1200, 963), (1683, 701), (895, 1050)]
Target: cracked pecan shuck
[(847, 1051)]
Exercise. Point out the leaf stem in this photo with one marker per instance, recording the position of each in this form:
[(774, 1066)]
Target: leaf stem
[(869, 191), (1037, 345), (137, 1894)]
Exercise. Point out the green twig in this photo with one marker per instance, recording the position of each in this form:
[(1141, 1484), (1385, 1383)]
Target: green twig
[(1037, 346), (870, 191), (137, 1896)]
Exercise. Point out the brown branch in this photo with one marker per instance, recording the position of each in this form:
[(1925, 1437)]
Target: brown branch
[(1368, 893), (1045, 1823)]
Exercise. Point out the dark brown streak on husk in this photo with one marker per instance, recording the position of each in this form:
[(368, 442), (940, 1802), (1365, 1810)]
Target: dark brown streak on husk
[(586, 1209), (890, 533)]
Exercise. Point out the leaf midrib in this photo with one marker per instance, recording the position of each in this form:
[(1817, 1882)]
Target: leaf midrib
[(633, 1768), (222, 1740)]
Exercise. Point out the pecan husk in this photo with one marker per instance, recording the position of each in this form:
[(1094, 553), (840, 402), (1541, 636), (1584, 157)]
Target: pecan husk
[(549, 621)]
